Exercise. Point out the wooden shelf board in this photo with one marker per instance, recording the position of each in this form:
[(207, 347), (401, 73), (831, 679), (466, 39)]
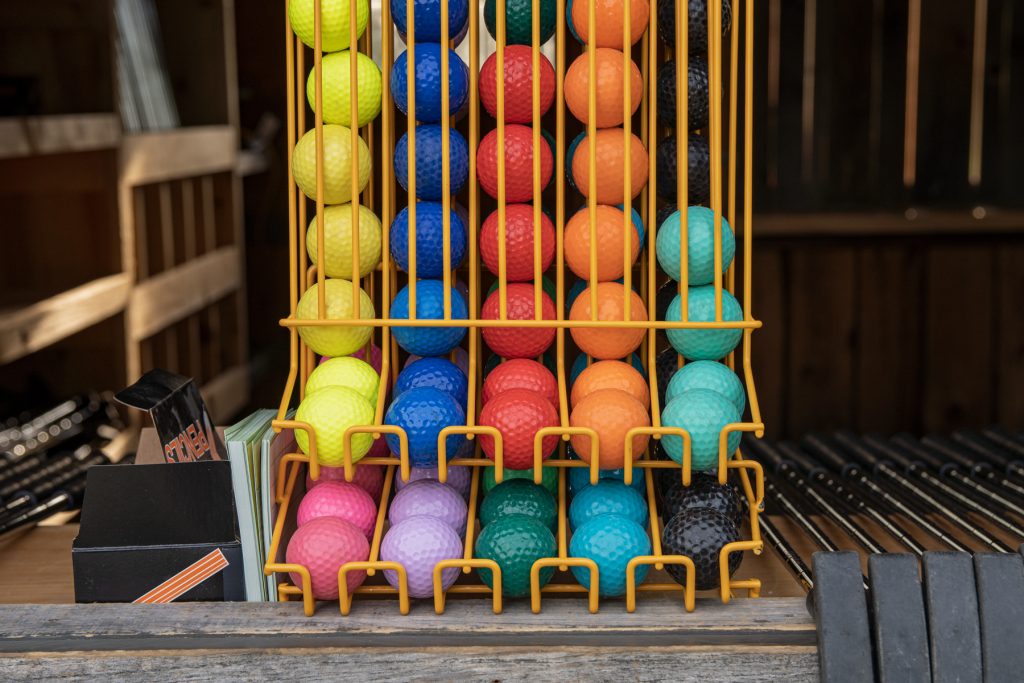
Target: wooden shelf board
[(33, 135), (180, 153), (227, 393), (910, 222), (29, 328)]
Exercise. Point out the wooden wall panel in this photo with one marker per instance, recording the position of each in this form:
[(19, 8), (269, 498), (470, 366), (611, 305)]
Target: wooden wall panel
[(768, 353), (1009, 336)]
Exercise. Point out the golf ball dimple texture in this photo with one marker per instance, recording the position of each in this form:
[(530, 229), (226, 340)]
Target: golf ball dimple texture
[(370, 478), (345, 372), (609, 90), (707, 374), (700, 251), (322, 546), (518, 342), (519, 20), (708, 344), (607, 497), (330, 412), (698, 190), (334, 22), (703, 413), (704, 491), (519, 497), (549, 478), (518, 163), (518, 84), (433, 499), (337, 89), (697, 24), (342, 500), (700, 534), (429, 229), (439, 373), (338, 241), (610, 374), (580, 364), (578, 478), (337, 164), (611, 232), (697, 93), (609, 14), (521, 373), (519, 264), (610, 155), (334, 341), (459, 478), (428, 82), (427, 19), (611, 542), (418, 544), (423, 412), (428, 341), (608, 343), (429, 163), (515, 543), (518, 415)]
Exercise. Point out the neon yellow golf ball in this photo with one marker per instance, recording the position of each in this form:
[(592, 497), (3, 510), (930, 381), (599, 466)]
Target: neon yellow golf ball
[(330, 412), (338, 241), (334, 22), (340, 340), (337, 88), (338, 164), (348, 372)]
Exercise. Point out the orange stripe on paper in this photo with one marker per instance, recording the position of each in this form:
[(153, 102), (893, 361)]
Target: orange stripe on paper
[(188, 578)]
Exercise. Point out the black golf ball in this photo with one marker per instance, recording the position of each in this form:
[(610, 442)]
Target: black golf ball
[(704, 491), (700, 534), (664, 212), (698, 34), (697, 110), (666, 364), (699, 157)]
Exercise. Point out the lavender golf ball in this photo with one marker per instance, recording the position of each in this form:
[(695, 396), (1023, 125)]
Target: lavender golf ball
[(418, 543), (433, 499), (459, 478)]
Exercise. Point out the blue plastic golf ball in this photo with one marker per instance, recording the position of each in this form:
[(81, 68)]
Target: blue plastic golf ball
[(607, 497), (708, 374), (427, 18), (705, 344), (580, 364), (429, 239), (703, 413), (579, 478), (428, 82), (700, 254), (429, 164), (428, 341), (439, 373), (423, 412), (611, 542)]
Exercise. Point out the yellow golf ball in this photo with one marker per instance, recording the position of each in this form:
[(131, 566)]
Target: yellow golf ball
[(334, 22), (338, 241), (330, 412), (345, 372), (337, 88), (340, 340), (338, 164)]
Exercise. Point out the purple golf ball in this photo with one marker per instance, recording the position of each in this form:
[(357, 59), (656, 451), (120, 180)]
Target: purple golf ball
[(418, 544), (459, 478), (433, 499)]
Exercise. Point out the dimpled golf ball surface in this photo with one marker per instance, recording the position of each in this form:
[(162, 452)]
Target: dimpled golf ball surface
[(521, 373), (330, 412), (518, 342), (338, 161), (518, 163), (610, 374), (697, 92), (427, 19), (519, 20), (418, 544), (703, 413), (428, 82), (700, 534), (338, 241), (611, 231), (342, 500), (428, 341), (698, 190), (439, 373), (608, 343), (337, 89), (609, 91), (345, 372), (459, 478), (698, 24), (706, 344), (334, 341), (707, 374), (578, 478), (519, 264), (704, 491), (607, 497), (580, 364), (700, 254), (518, 83), (429, 229), (549, 478), (611, 156), (334, 22), (433, 499), (322, 546), (515, 543), (666, 366), (429, 164), (519, 497), (611, 542), (517, 415), (609, 14), (459, 355), (423, 412), (370, 478)]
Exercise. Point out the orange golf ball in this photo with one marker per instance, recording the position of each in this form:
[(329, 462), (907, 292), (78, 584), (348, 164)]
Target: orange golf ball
[(610, 374), (609, 20), (608, 94), (610, 230), (613, 342), (611, 157), (611, 413)]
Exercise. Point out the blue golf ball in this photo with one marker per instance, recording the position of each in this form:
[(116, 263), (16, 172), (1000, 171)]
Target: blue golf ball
[(700, 253), (703, 413), (611, 542), (607, 497), (705, 344), (580, 364), (428, 341), (638, 223), (427, 18), (579, 478), (429, 165), (708, 374), (423, 412), (439, 373), (428, 83), (429, 239)]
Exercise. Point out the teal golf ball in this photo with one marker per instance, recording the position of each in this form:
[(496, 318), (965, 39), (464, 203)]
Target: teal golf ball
[(700, 250), (707, 374), (703, 413), (705, 344), (611, 542), (578, 478), (607, 498)]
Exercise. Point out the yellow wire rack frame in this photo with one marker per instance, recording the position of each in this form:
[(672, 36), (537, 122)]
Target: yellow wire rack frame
[(382, 284)]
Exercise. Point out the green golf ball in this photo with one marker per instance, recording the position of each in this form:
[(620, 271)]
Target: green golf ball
[(515, 543), (334, 22), (519, 21), (337, 89), (330, 412), (519, 497), (549, 476), (345, 372)]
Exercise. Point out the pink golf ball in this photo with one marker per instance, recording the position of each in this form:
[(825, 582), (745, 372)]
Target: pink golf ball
[(370, 478), (418, 544), (342, 500), (322, 547), (459, 478), (433, 499)]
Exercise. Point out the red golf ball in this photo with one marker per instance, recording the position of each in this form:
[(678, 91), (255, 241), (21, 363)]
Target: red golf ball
[(518, 84), (521, 373), (518, 163), (518, 242), (518, 414), (518, 342)]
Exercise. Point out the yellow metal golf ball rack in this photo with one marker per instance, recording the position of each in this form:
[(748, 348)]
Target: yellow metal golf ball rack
[(381, 194)]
